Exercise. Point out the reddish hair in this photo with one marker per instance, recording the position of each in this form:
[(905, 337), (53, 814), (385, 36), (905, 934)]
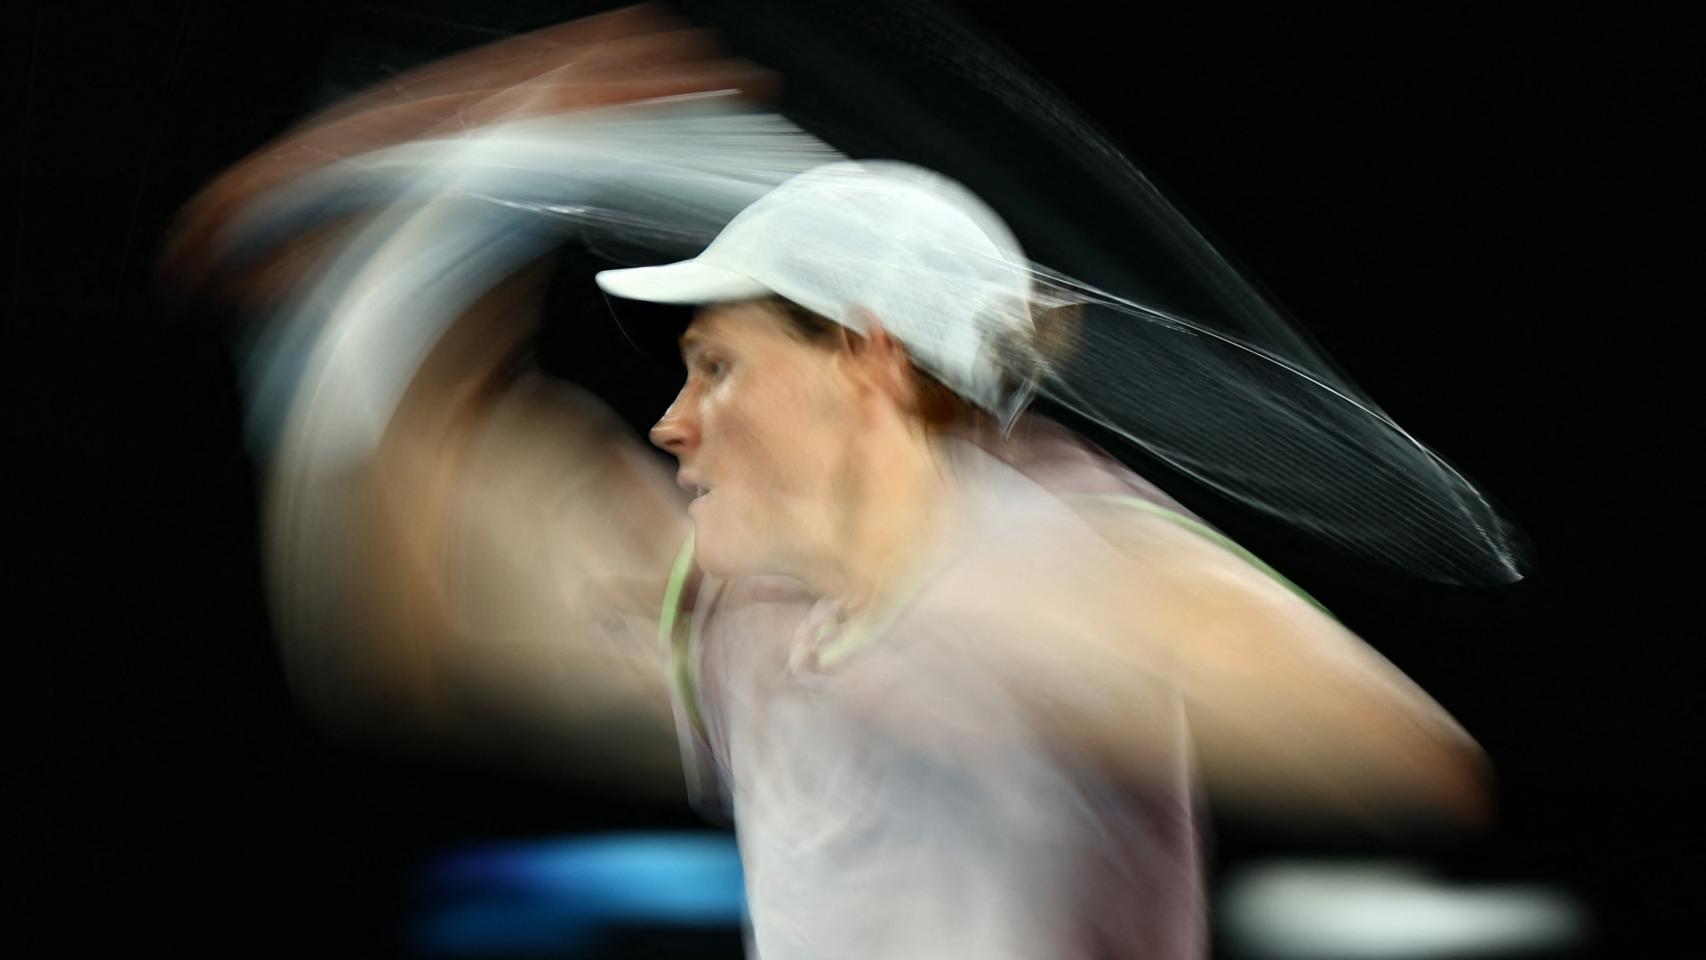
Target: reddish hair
[(934, 402), (1054, 340)]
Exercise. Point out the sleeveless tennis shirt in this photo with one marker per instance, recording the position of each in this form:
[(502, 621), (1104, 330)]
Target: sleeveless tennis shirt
[(892, 797)]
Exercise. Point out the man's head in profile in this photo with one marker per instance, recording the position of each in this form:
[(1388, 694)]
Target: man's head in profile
[(847, 320)]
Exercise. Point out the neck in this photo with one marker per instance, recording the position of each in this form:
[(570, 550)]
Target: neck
[(887, 522)]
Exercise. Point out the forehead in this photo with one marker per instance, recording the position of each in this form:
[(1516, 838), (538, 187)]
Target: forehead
[(733, 323)]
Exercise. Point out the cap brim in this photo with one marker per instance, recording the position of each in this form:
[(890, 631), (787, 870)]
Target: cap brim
[(687, 282)]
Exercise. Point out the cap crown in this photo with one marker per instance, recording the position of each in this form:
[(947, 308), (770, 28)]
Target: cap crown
[(930, 261)]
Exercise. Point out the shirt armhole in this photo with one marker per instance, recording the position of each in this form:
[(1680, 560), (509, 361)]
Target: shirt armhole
[(679, 630), (676, 635)]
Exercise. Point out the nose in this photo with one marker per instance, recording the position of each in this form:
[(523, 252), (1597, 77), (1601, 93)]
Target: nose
[(677, 431)]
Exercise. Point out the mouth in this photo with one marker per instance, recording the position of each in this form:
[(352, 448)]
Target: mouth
[(693, 485), (697, 504)]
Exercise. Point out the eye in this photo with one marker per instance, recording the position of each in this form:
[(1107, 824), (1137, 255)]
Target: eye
[(713, 368)]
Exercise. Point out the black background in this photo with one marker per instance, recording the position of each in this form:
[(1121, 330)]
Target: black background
[(1486, 218)]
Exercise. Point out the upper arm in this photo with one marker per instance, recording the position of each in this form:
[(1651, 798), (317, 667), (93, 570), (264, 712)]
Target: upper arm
[(1286, 707), (561, 534), (493, 572)]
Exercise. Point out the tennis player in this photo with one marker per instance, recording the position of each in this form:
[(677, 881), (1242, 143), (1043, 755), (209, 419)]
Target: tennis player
[(959, 679)]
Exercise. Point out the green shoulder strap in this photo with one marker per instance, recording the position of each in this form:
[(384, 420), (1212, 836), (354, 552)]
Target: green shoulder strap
[(675, 633), (1209, 534)]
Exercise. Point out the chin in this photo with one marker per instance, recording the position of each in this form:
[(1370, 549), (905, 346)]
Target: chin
[(711, 560), (726, 553), (713, 551)]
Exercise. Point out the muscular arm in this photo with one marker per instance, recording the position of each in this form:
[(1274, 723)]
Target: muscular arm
[(490, 571), (1285, 707), (1136, 639), (493, 573)]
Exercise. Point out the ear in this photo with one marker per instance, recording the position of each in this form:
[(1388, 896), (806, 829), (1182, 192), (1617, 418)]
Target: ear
[(879, 361)]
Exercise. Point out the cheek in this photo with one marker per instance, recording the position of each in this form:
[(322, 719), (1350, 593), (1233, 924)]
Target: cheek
[(732, 434), (775, 446), (776, 436)]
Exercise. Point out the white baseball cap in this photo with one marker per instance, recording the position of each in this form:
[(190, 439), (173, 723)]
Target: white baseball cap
[(934, 265)]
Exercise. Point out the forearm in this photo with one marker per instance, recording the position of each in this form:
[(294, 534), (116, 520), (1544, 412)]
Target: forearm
[(1288, 708)]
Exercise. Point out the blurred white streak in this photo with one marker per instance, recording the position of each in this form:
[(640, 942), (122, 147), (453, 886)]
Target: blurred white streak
[(665, 171), (1292, 910)]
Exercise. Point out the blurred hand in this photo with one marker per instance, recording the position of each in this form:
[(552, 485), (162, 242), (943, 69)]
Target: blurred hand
[(627, 56)]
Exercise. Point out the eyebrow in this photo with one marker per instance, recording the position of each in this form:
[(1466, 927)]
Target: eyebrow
[(693, 341), (688, 342)]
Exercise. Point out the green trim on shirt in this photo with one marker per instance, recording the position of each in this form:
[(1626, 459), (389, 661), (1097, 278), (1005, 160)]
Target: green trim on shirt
[(675, 634), (862, 632), (1208, 533), (675, 631)]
